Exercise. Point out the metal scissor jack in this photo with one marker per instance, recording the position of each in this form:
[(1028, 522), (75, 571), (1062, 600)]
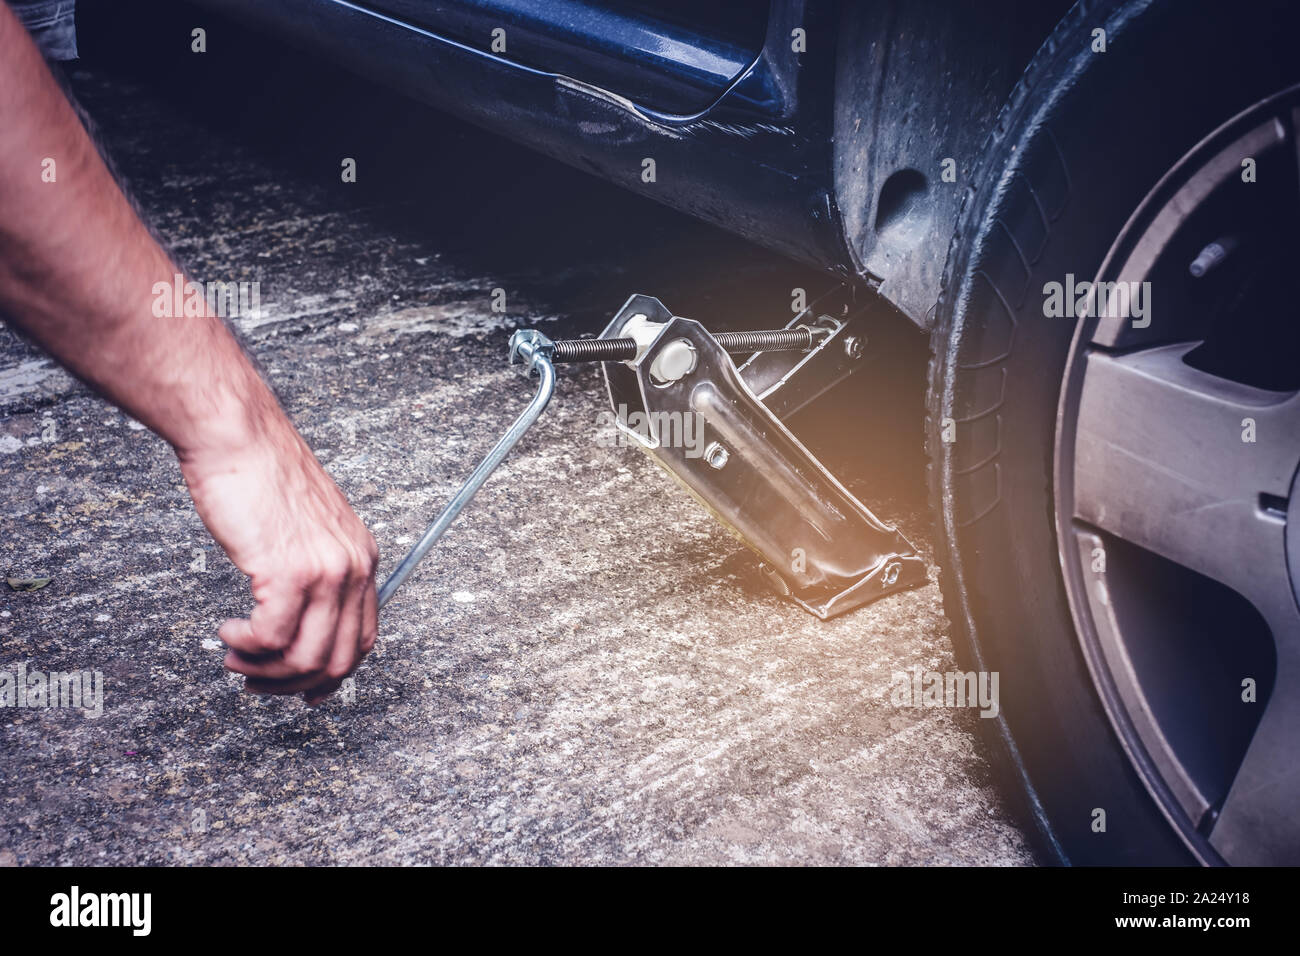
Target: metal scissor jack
[(668, 377)]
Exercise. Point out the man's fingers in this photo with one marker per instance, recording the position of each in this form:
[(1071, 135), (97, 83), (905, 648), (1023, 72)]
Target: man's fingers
[(292, 685), (271, 627), (347, 641), (309, 641), (369, 619), (315, 695), (237, 634), (311, 650), (276, 620)]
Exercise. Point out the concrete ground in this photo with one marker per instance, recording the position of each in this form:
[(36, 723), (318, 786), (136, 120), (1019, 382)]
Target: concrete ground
[(585, 670)]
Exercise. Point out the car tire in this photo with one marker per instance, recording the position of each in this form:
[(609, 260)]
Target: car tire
[(1090, 131)]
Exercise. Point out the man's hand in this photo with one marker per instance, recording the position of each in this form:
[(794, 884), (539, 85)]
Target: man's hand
[(286, 525), (78, 273)]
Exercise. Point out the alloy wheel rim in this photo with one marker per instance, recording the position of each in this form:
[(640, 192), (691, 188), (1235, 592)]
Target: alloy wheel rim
[(1177, 463)]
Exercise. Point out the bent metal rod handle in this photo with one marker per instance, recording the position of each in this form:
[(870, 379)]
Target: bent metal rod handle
[(535, 350)]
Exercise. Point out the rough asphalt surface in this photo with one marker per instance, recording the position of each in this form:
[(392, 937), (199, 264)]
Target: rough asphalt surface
[(586, 669)]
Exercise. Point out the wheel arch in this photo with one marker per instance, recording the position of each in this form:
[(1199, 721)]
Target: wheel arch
[(916, 84)]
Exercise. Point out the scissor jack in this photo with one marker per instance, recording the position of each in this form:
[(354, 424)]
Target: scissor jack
[(820, 546)]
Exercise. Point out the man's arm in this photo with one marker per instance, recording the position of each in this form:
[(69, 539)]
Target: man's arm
[(77, 272)]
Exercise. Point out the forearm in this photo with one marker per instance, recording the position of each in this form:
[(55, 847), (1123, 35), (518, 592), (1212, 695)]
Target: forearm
[(78, 272)]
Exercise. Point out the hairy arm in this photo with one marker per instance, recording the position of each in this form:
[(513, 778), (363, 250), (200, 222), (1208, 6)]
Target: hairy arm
[(77, 274)]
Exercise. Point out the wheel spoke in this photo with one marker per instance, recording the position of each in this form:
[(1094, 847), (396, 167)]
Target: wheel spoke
[(1257, 824), (1163, 460)]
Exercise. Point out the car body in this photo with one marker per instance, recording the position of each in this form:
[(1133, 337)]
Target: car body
[(819, 129)]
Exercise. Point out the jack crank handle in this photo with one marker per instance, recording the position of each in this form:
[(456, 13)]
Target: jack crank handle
[(536, 351)]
